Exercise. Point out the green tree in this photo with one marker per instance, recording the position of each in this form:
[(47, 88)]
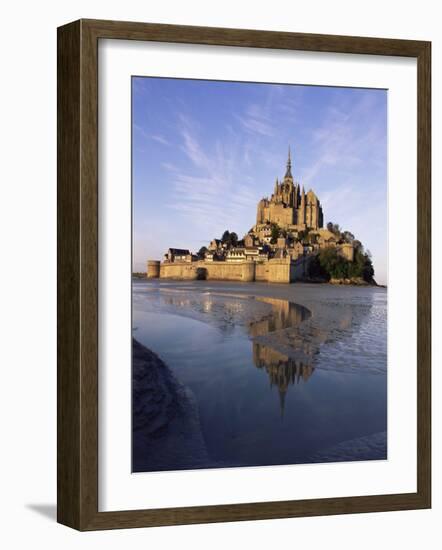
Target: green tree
[(362, 266), (202, 252), (316, 271), (275, 233), (333, 264), (357, 245), (347, 237), (334, 228), (233, 239), (226, 236), (330, 264)]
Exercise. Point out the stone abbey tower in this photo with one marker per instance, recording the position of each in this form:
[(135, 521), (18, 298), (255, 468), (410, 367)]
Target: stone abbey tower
[(289, 206)]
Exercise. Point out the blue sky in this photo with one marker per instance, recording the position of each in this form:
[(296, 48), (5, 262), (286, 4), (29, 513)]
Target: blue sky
[(205, 152)]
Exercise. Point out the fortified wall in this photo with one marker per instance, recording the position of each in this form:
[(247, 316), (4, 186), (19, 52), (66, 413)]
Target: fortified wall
[(274, 270), (271, 271)]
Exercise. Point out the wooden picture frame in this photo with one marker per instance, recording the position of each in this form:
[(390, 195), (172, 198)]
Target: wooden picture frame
[(78, 274)]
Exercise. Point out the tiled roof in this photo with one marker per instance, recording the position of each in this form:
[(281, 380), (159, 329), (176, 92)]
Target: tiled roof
[(179, 251)]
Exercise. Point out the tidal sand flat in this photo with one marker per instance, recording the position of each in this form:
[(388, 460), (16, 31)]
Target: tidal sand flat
[(165, 422), (255, 374)]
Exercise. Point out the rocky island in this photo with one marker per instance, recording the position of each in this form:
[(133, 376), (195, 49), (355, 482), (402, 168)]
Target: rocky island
[(288, 243)]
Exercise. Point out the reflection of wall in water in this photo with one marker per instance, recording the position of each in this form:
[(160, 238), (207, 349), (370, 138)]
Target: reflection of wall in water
[(282, 370), (206, 304), (284, 315)]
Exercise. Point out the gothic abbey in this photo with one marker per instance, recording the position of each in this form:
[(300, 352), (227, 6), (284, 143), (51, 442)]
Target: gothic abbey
[(290, 207)]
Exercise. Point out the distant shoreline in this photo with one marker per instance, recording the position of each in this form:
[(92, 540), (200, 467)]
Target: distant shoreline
[(333, 283)]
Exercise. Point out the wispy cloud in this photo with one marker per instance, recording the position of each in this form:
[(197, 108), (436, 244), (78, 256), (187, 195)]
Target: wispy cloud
[(169, 166), (193, 151), (279, 106), (160, 139), (210, 193), (346, 139), (257, 125), (258, 117), (155, 137)]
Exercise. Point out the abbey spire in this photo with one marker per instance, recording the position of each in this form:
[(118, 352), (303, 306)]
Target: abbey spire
[(288, 173)]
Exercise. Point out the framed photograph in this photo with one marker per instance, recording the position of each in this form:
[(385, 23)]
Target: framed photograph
[(243, 274)]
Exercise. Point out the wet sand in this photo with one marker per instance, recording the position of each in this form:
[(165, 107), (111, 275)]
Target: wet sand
[(331, 329), (165, 422), (337, 314)]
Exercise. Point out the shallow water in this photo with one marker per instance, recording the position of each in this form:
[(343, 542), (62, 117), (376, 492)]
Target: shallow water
[(280, 374)]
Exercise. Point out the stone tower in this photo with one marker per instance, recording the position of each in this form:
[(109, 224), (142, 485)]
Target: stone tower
[(289, 207)]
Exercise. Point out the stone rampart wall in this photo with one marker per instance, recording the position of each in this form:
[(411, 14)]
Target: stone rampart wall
[(272, 271), (178, 270)]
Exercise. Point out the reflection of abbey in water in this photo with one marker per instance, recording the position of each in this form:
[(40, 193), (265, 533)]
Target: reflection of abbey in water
[(270, 339), (281, 369)]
